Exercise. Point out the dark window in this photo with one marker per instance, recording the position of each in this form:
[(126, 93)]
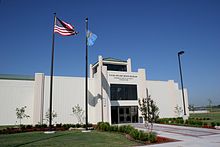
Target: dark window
[(115, 67), (114, 114), (123, 92), (95, 70)]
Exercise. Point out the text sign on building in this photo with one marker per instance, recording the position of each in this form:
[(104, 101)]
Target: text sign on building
[(123, 77)]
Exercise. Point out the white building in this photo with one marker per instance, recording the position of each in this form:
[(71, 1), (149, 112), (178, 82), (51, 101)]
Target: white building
[(113, 93)]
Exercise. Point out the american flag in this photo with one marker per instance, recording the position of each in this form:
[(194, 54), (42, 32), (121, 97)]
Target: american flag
[(64, 28)]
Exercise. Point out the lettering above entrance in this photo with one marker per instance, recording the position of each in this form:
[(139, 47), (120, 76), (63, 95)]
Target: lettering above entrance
[(122, 77)]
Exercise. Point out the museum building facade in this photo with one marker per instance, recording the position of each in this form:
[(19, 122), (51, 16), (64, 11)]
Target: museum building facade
[(113, 93)]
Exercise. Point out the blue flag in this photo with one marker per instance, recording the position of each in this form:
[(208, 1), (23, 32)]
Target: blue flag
[(91, 38)]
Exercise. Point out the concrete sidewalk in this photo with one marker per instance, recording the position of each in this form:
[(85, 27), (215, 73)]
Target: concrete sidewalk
[(188, 136)]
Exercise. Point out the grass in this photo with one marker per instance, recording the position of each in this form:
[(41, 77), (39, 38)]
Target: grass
[(214, 116), (66, 138)]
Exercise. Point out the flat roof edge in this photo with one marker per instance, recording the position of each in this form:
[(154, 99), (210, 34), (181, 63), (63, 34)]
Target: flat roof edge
[(16, 77)]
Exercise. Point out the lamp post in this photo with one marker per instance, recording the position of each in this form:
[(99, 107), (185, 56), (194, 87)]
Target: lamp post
[(181, 77)]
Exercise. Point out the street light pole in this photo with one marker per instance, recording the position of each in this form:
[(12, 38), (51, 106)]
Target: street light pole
[(181, 77)]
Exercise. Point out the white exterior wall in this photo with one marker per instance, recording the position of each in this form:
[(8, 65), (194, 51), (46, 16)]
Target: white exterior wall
[(67, 92), (167, 96), (16, 94)]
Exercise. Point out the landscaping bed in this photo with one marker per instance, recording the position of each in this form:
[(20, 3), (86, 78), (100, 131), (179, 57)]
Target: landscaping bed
[(191, 122), (159, 139), (43, 127), (138, 137)]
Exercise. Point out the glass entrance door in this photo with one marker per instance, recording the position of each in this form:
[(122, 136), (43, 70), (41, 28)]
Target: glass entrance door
[(124, 114)]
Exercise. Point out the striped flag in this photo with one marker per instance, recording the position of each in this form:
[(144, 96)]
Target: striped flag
[(64, 28)]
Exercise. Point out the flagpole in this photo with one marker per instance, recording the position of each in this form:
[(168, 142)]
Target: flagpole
[(86, 81), (51, 75)]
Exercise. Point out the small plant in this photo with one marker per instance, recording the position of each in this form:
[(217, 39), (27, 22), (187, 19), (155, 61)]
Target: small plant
[(210, 104), (47, 115), (178, 110), (191, 108), (20, 113), (78, 112)]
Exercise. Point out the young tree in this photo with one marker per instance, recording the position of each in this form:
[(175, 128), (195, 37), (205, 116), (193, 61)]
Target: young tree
[(47, 115), (178, 110), (191, 108), (210, 104), (20, 113), (78, 112), (149, 111)]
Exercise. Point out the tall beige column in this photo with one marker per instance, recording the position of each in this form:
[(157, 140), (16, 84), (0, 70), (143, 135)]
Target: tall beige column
[(38, 98)]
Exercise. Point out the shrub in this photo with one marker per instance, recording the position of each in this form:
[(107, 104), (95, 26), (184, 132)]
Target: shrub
[(122, 129), (72, 125), (59, 125), (125, 129), (89, 125), (22, 127), (78, 125), (114, 128), (29, 126), (40, 126), (199, 123), (98, 125), (152, 137), (213, 124), (217, 123), (135, 134), (67, 126), (143, 136), (103, 126), (205, 124)]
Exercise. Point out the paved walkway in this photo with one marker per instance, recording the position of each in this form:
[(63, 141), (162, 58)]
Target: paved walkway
[(188, 136)]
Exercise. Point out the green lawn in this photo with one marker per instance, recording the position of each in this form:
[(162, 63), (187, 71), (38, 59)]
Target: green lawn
[(66, 138), (214, 116)]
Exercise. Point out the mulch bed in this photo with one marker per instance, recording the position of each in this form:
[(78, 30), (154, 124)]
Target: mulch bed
[(164, 140), (159, 140), (19, 130)]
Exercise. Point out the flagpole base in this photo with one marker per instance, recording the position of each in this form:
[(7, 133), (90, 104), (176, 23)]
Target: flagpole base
[(49, 132)]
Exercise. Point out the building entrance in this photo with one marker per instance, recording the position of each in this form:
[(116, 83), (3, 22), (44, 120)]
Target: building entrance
[(124, 114)]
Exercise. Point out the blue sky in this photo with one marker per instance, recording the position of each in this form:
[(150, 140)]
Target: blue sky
[(150, 32)]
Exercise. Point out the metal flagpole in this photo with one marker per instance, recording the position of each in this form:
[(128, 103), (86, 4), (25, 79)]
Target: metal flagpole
[(86, 81), (181, 77), (51, 75)]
